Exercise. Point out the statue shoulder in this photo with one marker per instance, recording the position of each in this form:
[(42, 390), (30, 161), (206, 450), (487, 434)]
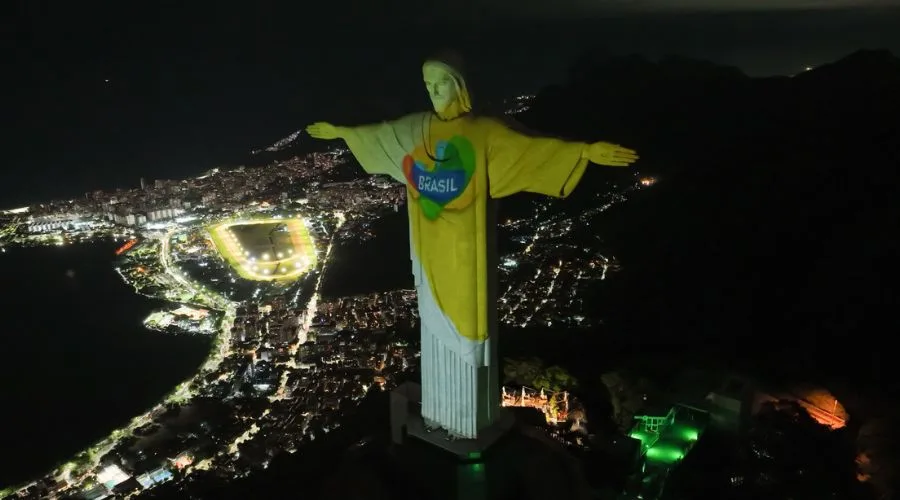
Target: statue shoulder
[(412, 123), (501, 124), (412, 119), (408, 130)]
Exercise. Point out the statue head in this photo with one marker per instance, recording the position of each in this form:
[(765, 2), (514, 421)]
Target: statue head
[(446, 85)]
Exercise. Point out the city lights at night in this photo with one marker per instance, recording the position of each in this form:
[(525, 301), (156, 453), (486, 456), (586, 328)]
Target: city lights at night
[(613, 250)]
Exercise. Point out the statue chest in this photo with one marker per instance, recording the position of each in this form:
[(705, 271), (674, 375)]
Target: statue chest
[(443, 171)]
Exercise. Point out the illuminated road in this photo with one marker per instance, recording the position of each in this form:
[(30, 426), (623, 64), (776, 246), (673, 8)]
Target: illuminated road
[(166, 260), (164, 252), (547, 294), (310, 309), (229, 307)]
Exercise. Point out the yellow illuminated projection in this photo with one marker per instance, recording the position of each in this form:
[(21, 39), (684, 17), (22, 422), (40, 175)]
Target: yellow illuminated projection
[(265, 250), (453, 162)]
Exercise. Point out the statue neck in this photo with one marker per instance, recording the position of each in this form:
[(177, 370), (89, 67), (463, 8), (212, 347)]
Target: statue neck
[(453, 111)]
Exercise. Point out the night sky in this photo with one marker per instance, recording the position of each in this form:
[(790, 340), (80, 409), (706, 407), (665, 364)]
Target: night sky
[(99, 95)]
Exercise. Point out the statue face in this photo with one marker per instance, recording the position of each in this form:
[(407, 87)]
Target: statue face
[(441, 86)]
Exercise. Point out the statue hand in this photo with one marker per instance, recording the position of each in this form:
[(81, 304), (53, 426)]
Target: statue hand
[(611, 155), (323, 130)]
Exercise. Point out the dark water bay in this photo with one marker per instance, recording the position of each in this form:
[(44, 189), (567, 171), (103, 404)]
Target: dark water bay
[(379, 264), (77, 361)]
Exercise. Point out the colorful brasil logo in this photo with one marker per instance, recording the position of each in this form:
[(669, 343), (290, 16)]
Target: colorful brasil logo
[(439, 184)]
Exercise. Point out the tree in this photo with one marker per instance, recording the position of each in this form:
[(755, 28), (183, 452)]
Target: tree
[(554, 406), (625, 396), (532, 372), (798, 457), (554, 379), (878, 459), (521, 371), (784, 455)]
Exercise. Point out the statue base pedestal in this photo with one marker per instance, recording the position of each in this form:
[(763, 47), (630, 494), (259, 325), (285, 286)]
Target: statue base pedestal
[(492, 466), (406, 421)]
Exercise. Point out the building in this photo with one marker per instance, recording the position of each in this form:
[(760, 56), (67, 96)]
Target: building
[(665, 438), (52, 222), (730, 405), (154, 477)]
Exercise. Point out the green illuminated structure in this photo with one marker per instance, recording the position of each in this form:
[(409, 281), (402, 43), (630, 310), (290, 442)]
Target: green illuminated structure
[(667, 439)]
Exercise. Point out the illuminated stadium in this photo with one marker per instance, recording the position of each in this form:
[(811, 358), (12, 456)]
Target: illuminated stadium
[(265, 249)]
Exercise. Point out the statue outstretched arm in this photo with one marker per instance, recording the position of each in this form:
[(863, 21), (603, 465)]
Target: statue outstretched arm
[(609, 154), (380, 147), (325, 130), (518, 161)]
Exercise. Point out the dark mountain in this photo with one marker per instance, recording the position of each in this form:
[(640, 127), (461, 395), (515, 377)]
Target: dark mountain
[(773, 227)]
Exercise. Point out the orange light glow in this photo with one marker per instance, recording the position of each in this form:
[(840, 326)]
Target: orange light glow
[(553, 413), (183, 461), (126, 247)]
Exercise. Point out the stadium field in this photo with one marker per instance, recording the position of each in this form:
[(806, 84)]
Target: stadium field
[(265, 249)]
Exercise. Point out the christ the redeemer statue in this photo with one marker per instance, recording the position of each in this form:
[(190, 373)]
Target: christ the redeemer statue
[(453, 163)]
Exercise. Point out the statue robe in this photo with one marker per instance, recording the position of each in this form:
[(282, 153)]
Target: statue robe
[(451, 170)]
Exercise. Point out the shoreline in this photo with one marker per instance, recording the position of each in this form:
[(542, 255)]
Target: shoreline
[(88, 458)]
